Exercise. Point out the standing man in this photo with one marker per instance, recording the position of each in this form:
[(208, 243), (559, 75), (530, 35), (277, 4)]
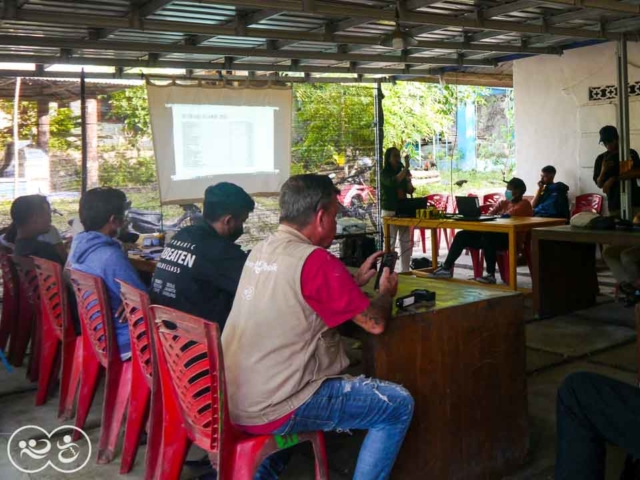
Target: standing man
[(283, 353), (551, 198), (607, 169), (395, 180), (199, 270)]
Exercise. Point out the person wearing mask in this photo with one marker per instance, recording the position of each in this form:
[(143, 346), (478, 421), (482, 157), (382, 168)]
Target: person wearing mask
[(199, 270), (31, 228), (395, 180), (490, 243), (607, 169), (97, 252), (283, 354), (551, 200)]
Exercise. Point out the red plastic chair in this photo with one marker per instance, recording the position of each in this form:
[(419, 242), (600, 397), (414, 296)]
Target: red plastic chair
[(590, 202), (441, 202), (10, 312), (28, 327), (145, 398), (492, 198), (100, 355), (58, 338), (477, 257), (195, 406), (503, 260)]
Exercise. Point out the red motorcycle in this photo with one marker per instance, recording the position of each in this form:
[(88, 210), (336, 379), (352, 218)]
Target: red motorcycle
[(358, 199)]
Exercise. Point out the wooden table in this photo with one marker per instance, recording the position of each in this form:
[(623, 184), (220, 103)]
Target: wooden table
[(463, 360), (142, 265), (511, 226), (564, 266)]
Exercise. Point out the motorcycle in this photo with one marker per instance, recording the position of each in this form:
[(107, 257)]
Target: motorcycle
[(145, 221), (358, 199)]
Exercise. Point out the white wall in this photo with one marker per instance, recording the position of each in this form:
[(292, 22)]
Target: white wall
[(555, 122)]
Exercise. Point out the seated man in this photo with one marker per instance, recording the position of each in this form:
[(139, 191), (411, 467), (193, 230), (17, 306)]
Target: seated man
[(31, 221), (592, 411), (551, 199), (283, 354), (490, 243), (199, 270), (95, 251)]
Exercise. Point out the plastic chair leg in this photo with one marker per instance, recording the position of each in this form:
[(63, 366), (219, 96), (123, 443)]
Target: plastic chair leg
[(423, 238), (50, 346), (69, 376), (20, 336), (91, 373), (154, 434), (503, 267), (173, 453), (116, 396), (9, 318), (137, 414), (320, 451), (476, 261), (33, 369)]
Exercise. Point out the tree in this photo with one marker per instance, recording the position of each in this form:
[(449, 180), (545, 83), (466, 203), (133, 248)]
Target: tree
[(131, 107), (333, 124)]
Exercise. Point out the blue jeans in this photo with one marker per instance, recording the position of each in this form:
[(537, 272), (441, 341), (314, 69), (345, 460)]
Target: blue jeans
[(382, 408)]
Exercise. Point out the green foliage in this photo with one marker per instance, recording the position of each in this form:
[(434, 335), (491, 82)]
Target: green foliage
[(27, 122), (62, 124), (331, 122), (131, 107), (500, 148), (123, 172)]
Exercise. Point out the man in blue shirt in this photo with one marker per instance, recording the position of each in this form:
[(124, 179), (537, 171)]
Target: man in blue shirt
[(551, 200), (97, 252)]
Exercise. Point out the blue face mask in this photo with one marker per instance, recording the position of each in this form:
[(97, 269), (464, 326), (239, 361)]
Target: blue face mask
[(508, 194)]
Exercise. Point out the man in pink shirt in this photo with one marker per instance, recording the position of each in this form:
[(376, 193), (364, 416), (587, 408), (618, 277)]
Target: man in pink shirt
[(513, 206)]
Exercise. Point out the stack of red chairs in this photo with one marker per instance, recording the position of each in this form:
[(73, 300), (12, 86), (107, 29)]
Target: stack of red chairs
[(10, 300), (492, 198), (589, 202), (441, 202), (60, 346)]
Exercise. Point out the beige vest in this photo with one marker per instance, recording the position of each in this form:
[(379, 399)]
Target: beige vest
[(277, 351)]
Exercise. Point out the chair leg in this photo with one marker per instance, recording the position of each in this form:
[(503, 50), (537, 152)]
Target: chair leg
[(116, 396), (69, 376), (9, 318), (503, 268), (91, 373), (33, 369), (423, 238), (136, 417), (173, 453), (476, 261), (50, 345), (20, 335), (321, 462), (154, 433)]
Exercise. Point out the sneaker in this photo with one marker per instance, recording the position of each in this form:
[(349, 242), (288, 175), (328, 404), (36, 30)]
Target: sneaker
[(441, 272), (487, 279)]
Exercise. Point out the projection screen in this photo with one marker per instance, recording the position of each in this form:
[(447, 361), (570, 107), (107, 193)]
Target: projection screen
[(203, 135)]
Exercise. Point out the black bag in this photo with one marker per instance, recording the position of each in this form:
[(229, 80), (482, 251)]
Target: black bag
[(420, 263), (602, 223)]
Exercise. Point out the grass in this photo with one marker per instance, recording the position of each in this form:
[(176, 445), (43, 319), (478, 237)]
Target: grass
[(476, 182)]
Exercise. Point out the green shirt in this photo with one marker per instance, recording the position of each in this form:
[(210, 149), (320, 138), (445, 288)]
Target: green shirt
[(389, 186)]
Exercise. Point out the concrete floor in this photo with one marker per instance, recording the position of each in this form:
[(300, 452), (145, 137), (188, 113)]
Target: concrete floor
[(600, 340)]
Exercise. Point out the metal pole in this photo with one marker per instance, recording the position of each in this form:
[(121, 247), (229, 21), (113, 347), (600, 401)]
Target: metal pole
[(16, 139), (83, 117), (378, 114), (624, 145)]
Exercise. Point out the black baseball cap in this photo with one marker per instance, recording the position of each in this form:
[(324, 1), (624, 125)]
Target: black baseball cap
[(608, 134)]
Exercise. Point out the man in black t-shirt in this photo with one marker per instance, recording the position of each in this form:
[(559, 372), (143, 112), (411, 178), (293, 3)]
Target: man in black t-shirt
[(607, 169), (199, 270)]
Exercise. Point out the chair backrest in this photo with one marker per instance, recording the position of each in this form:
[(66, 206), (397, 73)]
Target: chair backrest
[(54, 296), (190, 364), (438, 200), (486, 208), (590, 202), (136, 310), (492, 198), (9, 276), (95, 314), (28, 280)]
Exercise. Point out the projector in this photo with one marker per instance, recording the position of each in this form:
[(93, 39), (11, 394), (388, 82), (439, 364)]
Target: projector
[(350, 226)]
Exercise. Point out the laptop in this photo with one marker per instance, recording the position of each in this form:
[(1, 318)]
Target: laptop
[(407, 207), (469, 210)]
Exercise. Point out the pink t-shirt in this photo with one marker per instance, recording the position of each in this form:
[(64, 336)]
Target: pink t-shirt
[(330, 290)]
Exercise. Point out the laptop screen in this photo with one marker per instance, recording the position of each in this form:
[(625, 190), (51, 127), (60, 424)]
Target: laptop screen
[(468, 206)]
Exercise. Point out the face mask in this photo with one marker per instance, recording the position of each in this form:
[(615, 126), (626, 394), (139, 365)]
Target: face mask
[(508, 194)]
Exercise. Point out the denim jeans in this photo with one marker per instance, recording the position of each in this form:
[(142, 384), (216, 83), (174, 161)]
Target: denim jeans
[(382, 408), (592, 411)]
